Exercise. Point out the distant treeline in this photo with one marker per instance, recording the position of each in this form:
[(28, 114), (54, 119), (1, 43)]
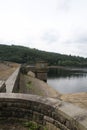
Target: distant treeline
[(27, 55)]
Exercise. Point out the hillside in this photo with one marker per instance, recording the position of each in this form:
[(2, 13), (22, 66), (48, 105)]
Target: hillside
[(22, 54)]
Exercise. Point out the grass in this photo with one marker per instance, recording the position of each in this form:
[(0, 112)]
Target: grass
[(29, 84), (34, 126)]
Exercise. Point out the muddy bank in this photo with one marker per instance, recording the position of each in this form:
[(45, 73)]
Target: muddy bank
[(68, 68), (79, 99)]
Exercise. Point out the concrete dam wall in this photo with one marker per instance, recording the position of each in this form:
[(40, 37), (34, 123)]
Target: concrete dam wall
[(42, 110)]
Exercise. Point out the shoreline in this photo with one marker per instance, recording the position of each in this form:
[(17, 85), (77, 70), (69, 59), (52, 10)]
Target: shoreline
[(68, 68)]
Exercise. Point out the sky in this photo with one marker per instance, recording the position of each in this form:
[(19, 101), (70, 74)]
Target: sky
[(51, 25)]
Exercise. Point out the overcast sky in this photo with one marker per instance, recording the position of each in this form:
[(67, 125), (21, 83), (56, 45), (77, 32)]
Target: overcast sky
[(51, 25)]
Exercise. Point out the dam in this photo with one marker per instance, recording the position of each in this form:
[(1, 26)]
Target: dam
[(47, 111)]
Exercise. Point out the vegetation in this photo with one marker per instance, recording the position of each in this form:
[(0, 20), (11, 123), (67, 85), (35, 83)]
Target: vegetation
[(26, 55), (29, 84), (34, 126)]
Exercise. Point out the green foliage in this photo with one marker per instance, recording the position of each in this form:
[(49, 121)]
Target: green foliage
[(27, 55), (34, 126), (29, 84), (31, 125)]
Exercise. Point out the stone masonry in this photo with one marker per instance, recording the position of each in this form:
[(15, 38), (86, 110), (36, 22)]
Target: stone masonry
[(12, 81), (60, 114), (2, 86), (42, 110)]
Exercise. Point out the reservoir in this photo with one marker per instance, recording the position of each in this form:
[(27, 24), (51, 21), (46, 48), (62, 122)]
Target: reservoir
[(68, 80)]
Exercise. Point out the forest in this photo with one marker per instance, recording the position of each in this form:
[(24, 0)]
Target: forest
[(25, 55)]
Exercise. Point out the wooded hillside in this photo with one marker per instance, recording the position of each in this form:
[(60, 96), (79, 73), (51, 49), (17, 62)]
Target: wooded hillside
[(27, 55)]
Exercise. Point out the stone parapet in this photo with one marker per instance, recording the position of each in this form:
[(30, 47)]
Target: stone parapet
[(2, 86), (62, 115), (13, 81)]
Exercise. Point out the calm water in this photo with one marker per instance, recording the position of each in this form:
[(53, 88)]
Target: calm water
[(68, 81)]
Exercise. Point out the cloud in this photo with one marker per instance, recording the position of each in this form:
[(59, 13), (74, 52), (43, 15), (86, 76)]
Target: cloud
[(82, 39), (63, 5), (50, 37), (51, 25), (77, 36)]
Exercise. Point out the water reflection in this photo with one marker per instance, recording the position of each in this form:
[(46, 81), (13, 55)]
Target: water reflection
[(68, 81)]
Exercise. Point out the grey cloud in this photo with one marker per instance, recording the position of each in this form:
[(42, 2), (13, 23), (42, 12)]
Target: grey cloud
[(50, 37), (63, 5), (78, 38), (82, 39)]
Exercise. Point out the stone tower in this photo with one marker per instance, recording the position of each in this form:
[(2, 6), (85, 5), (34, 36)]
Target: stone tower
[(41, 70)]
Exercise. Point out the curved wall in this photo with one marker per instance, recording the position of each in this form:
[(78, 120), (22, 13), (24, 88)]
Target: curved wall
[(42, 110)]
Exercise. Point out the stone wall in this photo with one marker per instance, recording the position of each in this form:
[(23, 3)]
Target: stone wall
[(2, 86), (12, 82), (61, 115), (42, 76)]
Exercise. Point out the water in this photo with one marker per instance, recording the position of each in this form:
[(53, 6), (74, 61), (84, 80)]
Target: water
[(68, 81)]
